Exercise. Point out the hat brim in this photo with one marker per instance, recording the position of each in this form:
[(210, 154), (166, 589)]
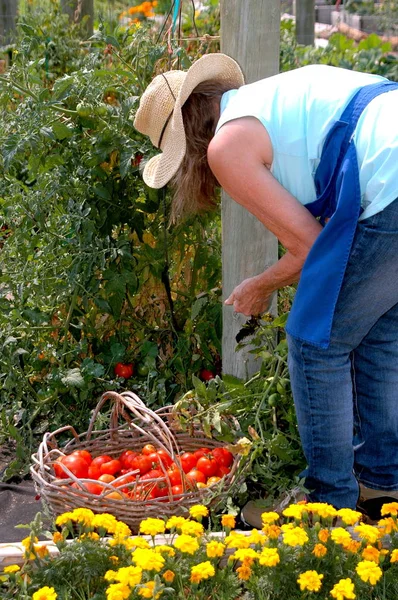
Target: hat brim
[(161, 168)]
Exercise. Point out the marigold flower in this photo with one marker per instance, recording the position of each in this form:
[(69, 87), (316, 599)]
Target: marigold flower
[(29, 544), (41, 550), (245, 555), (352, 546), (342, 590), (237, 540), (121, 531), (394, 555), (244, 572), (202, 571), (148, 559), (371, 553), (368, 571), (390, 508), (323, 535), (152, 526), (82, 515), (341, 536), (57, 537), (110, 575), (269, 557), (228, 521), (114, 559), (164, 549), (139, 542), (118, 591), (12, 569), (367, 532), (186, 543), (295, 511), (130, 576), (269, 517), (175, 522), (91, 535), (256, 537), (198, 511), (325, 511), (387, 526), (319, 550), (147, 590), (168, 576), (63, 519), (215, 549), (295, 537), (310, 580), (105, 521), (349, 516), (272, 531), (45, 593), (192, 528)]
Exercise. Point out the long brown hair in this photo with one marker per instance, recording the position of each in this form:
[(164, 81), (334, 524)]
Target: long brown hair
[(194, 185)]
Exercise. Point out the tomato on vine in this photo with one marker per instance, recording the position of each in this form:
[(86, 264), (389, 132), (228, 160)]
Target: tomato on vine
[(124, 370)]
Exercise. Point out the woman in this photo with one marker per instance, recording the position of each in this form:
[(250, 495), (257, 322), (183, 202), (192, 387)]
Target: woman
[(313, 154)]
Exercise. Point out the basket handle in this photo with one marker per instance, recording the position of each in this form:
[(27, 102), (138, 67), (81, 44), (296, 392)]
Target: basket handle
[(49, 441), (129, 400)]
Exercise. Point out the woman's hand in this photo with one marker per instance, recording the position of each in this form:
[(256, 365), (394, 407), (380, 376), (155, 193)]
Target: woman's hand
[(250, 297)]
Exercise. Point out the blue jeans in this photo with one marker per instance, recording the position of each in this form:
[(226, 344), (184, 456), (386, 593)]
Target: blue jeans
[(346, 396)]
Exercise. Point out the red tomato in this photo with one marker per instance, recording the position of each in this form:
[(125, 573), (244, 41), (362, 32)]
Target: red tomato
[(84, 454), (155, 460), (129, 460), (223, 471), (141, 463), (152, 474), (174, 475), (177, 490), (59, 471), (196, 476), (161, 489), (106, 478), (188, 461), (201, 452), (165, 457), (125, 454), (111, 467), (224, 457), (93, 488), (148, 449), (208, 465), (76, 464), (124, 370), (100, 460), (206, 375), (94, 471)]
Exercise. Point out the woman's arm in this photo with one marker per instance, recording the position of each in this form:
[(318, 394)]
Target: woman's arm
[(239, 156)]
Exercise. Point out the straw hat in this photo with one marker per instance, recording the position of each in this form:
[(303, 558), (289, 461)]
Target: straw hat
[(159, 115)]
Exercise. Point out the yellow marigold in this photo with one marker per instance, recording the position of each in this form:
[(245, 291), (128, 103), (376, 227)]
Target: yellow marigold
[(147, 590), (387, 526), (63, 519), (110, 575), (340, 536), (186, 543), (319, 550), (323, 535), (105, 521), (343, 590), (244, 572), (352, 546), (269, 557), (122, 531), (126, 542), (82, 515), (118, 591), (164, 549), (130, 576), (245, 555), (114, 559), (140, 542), (368, 571), (41, 550), (272, 531), (148, 559), (192, 528), (367, 532), (175, 522), (152, 526), (295, 537), (256, 537), (202, 571), (295, 511), (371, 553), (310, 580), (325, 511), (237, 540), (12, 569), (28, 543), (215, 549), (349, 516), (269, 517), (287, 526), (228, 521), (394, 555), (390, 508), (198, 511), (45, 593), (168, 576), (91, 535), (57, 537)]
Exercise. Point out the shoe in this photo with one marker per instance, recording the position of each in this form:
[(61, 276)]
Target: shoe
[(371, 501), (252, 511)]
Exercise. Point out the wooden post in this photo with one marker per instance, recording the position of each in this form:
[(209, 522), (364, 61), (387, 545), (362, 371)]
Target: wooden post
[(305, 22), (8, 13), (77, 9), (250, 34)]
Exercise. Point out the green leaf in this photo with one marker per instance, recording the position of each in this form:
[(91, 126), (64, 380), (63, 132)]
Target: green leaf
[(125, 161), (197, 306), (61, 130), (73, 378), (199, 386), (281, 320)]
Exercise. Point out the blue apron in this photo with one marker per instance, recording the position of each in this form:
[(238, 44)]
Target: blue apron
[(339, 199)]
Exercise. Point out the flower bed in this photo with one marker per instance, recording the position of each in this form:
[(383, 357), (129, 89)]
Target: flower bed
[(299, 555)]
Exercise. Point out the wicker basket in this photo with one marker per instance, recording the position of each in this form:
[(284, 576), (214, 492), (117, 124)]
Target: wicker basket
[(140, 426)]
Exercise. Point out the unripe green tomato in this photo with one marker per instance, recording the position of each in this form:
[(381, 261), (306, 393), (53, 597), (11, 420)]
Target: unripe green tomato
[(101, 111), (84, 110), (143, 370), (274, 400)]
